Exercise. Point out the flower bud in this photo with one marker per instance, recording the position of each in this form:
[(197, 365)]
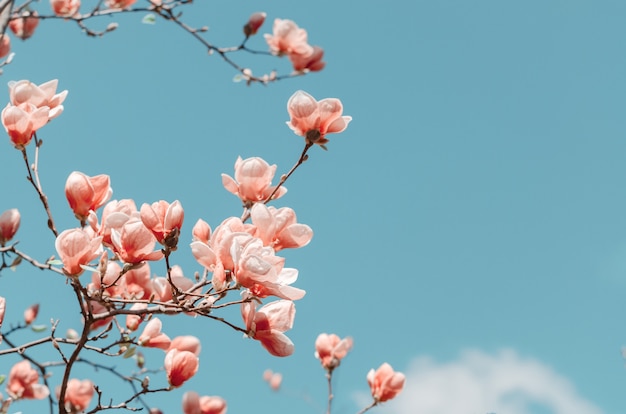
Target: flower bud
[(254, 23), (9, 223)]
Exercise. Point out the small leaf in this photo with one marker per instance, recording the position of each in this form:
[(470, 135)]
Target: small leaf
[(2, 378), (38, 328), (55, 262), (89, 268), (130, 352), (149, 19), (238, 78)]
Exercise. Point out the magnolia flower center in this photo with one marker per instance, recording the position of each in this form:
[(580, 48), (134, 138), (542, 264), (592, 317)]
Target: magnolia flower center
[(313, 136)]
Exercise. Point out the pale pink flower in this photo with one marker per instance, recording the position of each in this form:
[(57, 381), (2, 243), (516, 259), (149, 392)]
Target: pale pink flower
[(133, 321), (78, 395), (25, 91), (9, 224), (385, 383), (288, 38), (111, 279), (134, 243), (24, 25), (120, 4), (330, 350), (180, 366), (201, 231), (85, 194), (163, 219), (268, 324), (76, 247), (161, 286), (313, 120), (274, 379), (114, 214), (278, 228), (152, 337), (30, 314), (65, 8), (312, 62), (23, 382), (136, 283), (5, 45), (186, 343), (261, 271), (254, 23), (194, 404), (100, 311), (22, 121), (253, 180)]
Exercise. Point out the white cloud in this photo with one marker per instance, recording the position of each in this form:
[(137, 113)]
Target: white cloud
[(479, 383)]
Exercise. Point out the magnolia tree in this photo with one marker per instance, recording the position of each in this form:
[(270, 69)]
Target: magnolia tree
[(108, 258)]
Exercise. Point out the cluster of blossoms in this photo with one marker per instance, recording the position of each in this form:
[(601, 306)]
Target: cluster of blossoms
[(115, 242)]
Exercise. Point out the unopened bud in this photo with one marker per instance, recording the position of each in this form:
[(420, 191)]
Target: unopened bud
[(254, 23)]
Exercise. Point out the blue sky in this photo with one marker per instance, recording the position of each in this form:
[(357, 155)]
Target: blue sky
[(469, 224)]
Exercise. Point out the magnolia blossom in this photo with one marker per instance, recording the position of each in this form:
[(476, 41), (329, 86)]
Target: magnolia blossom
[(23, 382), (267, 325), (163, 220), (30, 314), (313, 120), (120, 4), (9, 223), (278, 228), (201, 231), (22, 121), (312, 62), (100, 312), (330, 350), (76, 247), (274, 379), (78, 395), (253, 180), (5, 45), (152, 336), (180, 366), (162, 289), (24, 26), (254, 23), (134, 243), (25, 91), (114, 214), (288, 39), (85, 194), (3, 305), (133, 321), (65, 8), (186, 343), (261, 271), (194, 404), (385, 383)]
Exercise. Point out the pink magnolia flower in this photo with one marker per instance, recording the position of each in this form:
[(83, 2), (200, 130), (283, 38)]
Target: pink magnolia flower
[(254, 23), (152, 337), (134, 243), (201, 231), (5, 45), (9, 223), (65, 8), (3, 305), (100, 312), (313, 120), (24, 26), (85, 194), (76, 247), (22, 121), (120, 4), (23, 382), (253, 180), (312, 62), (288, 39), (133, 321), (278, 228), (385, 383), (114, 214), (30, 314), (261, 271), (268, 324), (137, 283), (186, 343), (163, 219), (78, 395), (194, 404), (180, 366), (162, 289), (25, 91), (330, 350), (274, 379)]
